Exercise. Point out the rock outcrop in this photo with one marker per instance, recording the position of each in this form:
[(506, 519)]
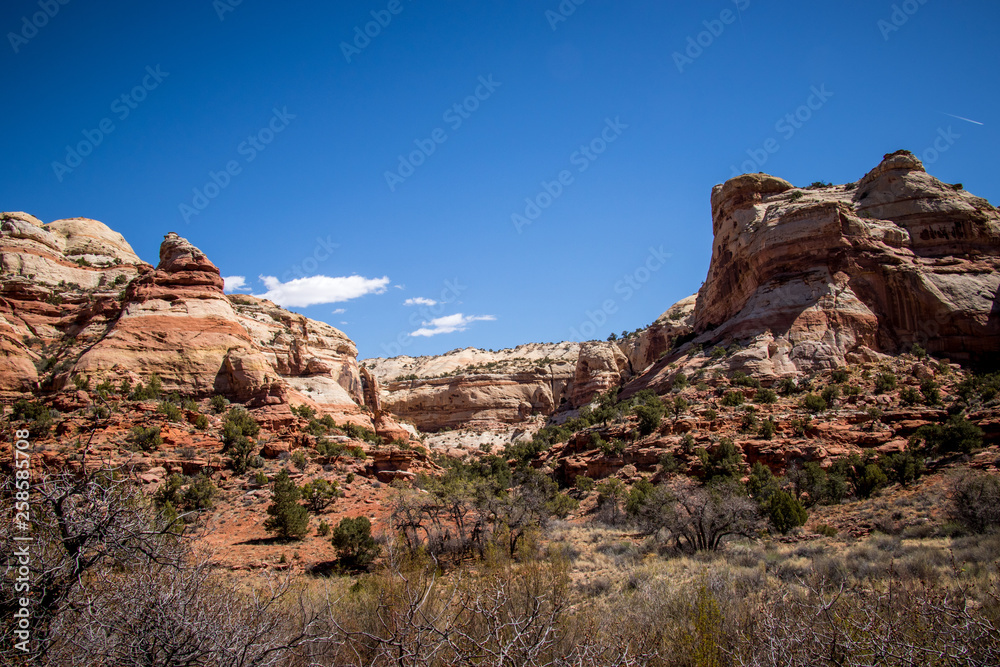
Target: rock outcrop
[(808, 279), (77, 302)]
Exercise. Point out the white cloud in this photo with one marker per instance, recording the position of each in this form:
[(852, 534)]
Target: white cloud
[(450, 324), (420, 301), (233, 283), (339, 311), (303, 292)]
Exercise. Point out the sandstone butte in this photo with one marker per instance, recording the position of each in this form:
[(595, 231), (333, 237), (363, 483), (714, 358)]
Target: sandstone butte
[(801, 279)]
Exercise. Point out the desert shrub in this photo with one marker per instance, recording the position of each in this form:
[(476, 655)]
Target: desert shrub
[(323, 529), (733, 398), (767, 429), (814, 403), (171, 411), (711, 414), (718, 352), (979, 388), (649, 413), (611, 448), (260, 479), (784, 511), (151, 390), (238, 423), (765, 396), (826, 530), (147, 439), (218, 404), (583, 484), (38, 414), (840, 375), (82, 383), (976, 501), (741, 379), (680, 381), (904, 467), (787, 386), (199, 494), (885, 382), (611, 493), (931, 391), (201, 422), (748, 421), (957, 434), (724, 462), (299, 459), (352, 538), (909, 396), (678, 407), (830, 394), (319, 494), (286, 518), (871, 480)]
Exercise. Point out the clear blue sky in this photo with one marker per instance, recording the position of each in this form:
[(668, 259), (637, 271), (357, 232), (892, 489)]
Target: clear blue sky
[(446, 230)]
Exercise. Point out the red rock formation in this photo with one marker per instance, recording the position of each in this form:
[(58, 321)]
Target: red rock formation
[(896, 259)]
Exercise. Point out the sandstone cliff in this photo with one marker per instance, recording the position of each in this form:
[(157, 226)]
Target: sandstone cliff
[(75, 301), (809, 279)]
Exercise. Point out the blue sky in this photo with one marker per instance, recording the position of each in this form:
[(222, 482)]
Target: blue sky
[(590, 115)]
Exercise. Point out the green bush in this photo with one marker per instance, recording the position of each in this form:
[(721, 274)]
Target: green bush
[(885, 382), (767, 429), (733, 398), (649, 413), (931, 391), (814, 403), (583, 484), (958, 434), (830, 394), (904, 467), (218, 404), (201, 422), (718, 352), (323, 530), (299, 459), (784, 511), (319, 494), (741, 379), (200, 493), (840, 375), (765, 397), (172, 412), (787, 386), (723, 463), (236, 424), (352, 538), (287, 519), (909, 396), (38, 414), (871, 481), (147, 439)]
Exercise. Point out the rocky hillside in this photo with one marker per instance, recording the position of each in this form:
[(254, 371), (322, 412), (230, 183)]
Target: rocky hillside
[(805, 279), (77, 305)]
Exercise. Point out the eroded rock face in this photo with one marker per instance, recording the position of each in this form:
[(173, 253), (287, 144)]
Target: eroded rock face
[(75, 288), (807, 277), (177, 323), (599, 367)]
